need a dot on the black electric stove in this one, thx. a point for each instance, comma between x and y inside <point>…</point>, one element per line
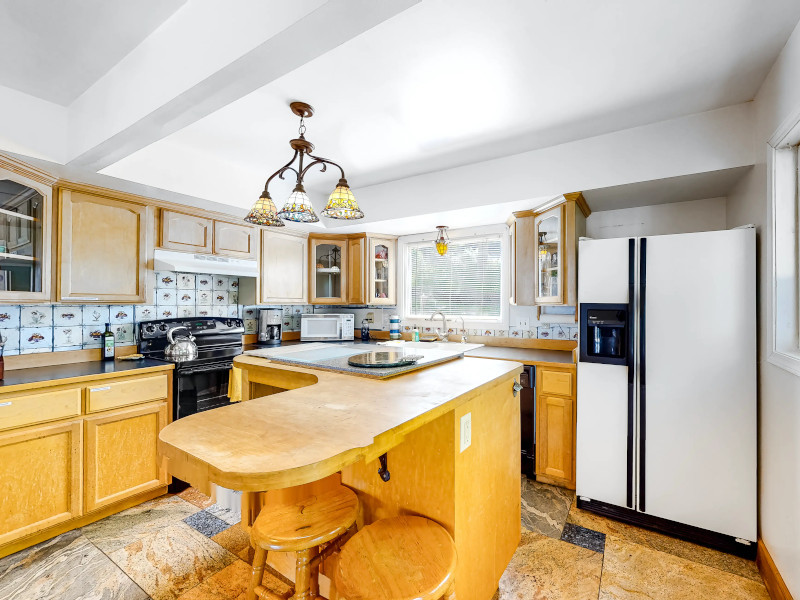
<point>201,383</point>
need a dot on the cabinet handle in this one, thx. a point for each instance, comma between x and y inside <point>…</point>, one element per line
<point>6,403</point>
<point>100,389</point>
<point>517,387</point>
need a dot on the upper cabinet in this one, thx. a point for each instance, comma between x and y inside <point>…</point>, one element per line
<point>356,270</point>
<point>382,261</point>
<point>192,233</point>
<point>25,232</point>
<point>103,247</point>
<point>328,270</point>
<point>283,267</point>
<point>546,252</point>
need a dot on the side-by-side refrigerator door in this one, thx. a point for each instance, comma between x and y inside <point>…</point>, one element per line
<point>604,452</point>
<point>698,380</point>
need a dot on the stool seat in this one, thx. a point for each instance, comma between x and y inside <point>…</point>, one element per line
<point>402,558</point>
<point>306,523</point>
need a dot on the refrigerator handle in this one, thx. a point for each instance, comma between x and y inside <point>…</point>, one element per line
<point>631,351</point>
<point>642,370</point>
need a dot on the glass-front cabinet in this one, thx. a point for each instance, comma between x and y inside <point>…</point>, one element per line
<point>25,230</point>
<point>382,261</point>
<point>549,240</point>
<point>328,271</point>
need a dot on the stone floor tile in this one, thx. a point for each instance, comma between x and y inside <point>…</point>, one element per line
<point>237,541</point>
<point>67,567</point>
<point>231,584</point>
<point>122,529</point>
<point>206,523</point>
<point>545,507</point>
<point>172,560</point>
<point>632,572</point>
<point>585,538</point>
<point>196,497</point>
<point>548,569</point>
<point>664,543</point>
<point>231,517</point>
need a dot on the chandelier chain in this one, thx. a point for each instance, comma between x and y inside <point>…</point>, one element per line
<point>302,129</point>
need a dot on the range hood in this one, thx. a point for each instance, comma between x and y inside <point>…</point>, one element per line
<point>185,262</point>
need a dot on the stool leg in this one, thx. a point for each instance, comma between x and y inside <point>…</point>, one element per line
<point>302,579</point>
<point>314,579</point>
<point>257,576</point>
<point>450,594</point>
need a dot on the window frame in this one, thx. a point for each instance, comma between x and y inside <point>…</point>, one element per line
<point>405,243</point>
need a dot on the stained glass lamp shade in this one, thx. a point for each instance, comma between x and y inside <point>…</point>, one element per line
<point>298,208</point>
<point>441,240</point>
<point>342,204</point>
<point>264,212</point>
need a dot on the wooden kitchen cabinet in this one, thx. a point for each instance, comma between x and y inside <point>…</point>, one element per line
<point>382,264</point>
<point>546,252</point>
<point>556,425</point>
<point>327,268</point>
<point>40,478</point>
<point>103,248</point>
<point>283,267</point>
<point>356,270</point>
<point>121,454</point>
<point>235,240</point>
<point>189,233</point>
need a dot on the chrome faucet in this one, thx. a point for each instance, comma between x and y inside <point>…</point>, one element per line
<point>463,330</point>
<point>441,334</point>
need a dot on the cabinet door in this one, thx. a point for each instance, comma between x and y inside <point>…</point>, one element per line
<point>185,232</point>
<point>328,271</point>
<point>238,241</point>
<point>356,279</point>
<point>555,439</point>
<point>102,249</point>
<point>122,454</point>
<point>382,259</point>
<point>284,265</point>
<point>40,478</point>
<point>549,241</point>
<point>524,261</point>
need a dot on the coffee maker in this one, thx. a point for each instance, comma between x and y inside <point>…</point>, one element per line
<point>270,321</point>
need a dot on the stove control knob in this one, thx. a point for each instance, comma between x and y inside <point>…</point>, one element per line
<point>163,327</point>
<point>228,323</point>
<point>150,328</point>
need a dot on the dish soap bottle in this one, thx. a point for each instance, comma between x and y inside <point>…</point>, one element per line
<point>415,334</point>
<point>108,343</point>
<point>364,330</point>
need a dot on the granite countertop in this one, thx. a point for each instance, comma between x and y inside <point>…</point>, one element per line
<point>90,369</point>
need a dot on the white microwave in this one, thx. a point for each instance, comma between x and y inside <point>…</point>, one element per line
<point>329,327</point>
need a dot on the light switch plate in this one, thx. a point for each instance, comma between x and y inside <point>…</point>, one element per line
<point>466,431</point>
<point>523,324</point>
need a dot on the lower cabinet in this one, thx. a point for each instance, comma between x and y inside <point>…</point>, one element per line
<point>121,454</point>
<point>555,426</point>
<point>40,478</point>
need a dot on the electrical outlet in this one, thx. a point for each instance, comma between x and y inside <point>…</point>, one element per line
<point>370,318</point>
<point>523,323</point>
<point>466,431</point>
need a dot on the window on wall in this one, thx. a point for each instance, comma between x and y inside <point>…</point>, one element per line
<point>466,282</point>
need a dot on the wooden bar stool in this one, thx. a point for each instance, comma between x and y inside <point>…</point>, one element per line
<point>313,527</point>
<point>402,558</point>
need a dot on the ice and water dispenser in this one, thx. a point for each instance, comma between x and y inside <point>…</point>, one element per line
<point>604,333</point>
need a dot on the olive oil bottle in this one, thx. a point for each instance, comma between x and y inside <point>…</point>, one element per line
<point>108,343</point>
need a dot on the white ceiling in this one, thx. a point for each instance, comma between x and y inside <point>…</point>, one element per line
<point>56,49</point>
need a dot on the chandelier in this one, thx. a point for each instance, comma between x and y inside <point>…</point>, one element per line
<point>341,203</point>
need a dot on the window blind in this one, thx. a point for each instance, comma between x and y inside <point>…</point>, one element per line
<point>464,282</point>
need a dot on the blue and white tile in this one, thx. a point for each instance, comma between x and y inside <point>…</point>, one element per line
<point>529,334</point>
<point>186,297</point>
<point>204,282</point>
<point>287,309</point>
<point>121,314</point>
<point>574,333</point>
<point>487,332</point>
<point>220,297</point>
<point>67,316</point>
<point>308,309</point>
<point>9,316</point>
<point>559,331</point>
<point>544,332</point>
<point>144,312</point>
<point>250,312</point>
<point>96,314</point>
<point>37,315</point>
<point>220,282</point>
<point>65,337</point>
<point>500,333</point>
<point>233,297</point>
<point>11,345</point>
<point>204,311</point>
<point>35,339</point>
<point>93,335</point>
<point>166,280</point>
<point>123,334</point>
<point>233,283</point>
<point>470,331</point>
<point>186,311</point>
<point>187,281</point>
<point>250,326</point>
<point>167,311</point>
<point>233,310</point>
<point>515,332</point>
<point>204,297</point>
<point>166,297</point>
<point>219,310</point>
<point>296,322</point>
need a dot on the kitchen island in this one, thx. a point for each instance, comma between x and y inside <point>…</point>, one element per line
<point>298,426</point>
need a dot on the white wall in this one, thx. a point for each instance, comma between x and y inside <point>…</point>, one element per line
<point>659,219</point>
<point>779,390</point>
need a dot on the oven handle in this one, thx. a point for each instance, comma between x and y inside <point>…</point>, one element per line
<point>205,369</point>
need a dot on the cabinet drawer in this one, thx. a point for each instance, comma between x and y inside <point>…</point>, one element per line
<point>557,382</point>
<point>104,396</point>
<point>28,409</point>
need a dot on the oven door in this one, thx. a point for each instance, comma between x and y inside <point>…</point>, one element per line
<point>200,388</point>
<point>320,328</point>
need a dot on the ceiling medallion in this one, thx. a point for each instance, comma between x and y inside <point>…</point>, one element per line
<point>341,203</point>
<point>441,240</point>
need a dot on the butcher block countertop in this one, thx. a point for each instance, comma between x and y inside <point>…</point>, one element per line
<point>528,356</point>
<point>319,423</point>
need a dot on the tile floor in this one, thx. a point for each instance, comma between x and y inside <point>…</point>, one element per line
<point>184,547</point>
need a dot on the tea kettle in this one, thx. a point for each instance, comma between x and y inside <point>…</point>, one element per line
<point>181,349</point>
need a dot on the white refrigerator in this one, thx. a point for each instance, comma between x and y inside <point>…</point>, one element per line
<point>666,413</point>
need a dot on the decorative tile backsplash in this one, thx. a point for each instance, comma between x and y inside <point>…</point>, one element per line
<point>36,328</point>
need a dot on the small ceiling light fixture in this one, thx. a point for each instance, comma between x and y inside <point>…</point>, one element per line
<point>442,240</point>
<point>341,204</point>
